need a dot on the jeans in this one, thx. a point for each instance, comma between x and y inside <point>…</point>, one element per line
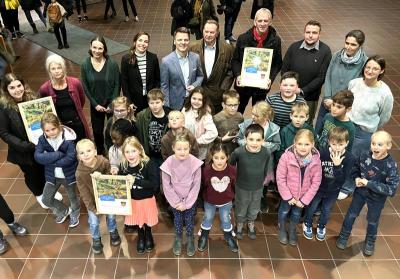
<point>39,13</point>
<point>375,204</point>
<point>230,18</point>
<point>58,207</point>
<point>224,216</point>
<point>285,209</point>
<point>94,224</point>
<point>247,204</point>
<point>324,201</point>
<point>362,142</point>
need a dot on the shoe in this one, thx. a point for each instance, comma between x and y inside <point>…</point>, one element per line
<point>73,221</point>
<point>203,239</point>
<point>113,14</point>
<point>61,219</point>
<point>17,229</point>
<point>251,230</point>
<point>97,246</point>
<point>368,248</point>
<point>39,200</point>
<point>283,236</point>
<point>115,240</point>
<point>60,46</point>
<point>58,196</point>
<point>321,233</point>
<point>341,242</point>
<point>149,241</point>
<point>13,36</point>
<point>317,213</point>
<point>79,19</point>
<point>232,39</point>
<point>190,249</point>
<point>20,34</point>
<point>239,230</point>
<point>177,246</point>
<point>342,196</point>
<point>140,245</point>
<point>292,234</point>
<point>231,242</point>
<point>129,229</point>
<point>35,31</point>
<point>227,41</point>
<point>136,18</point>
<point>3,244</point>
<point>126,18</point>
<point>85,17</point>
<point>66,45</point>
<point>307,231</point>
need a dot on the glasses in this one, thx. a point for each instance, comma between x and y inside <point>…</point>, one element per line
<point>232,105</point>
<point>120,111</point>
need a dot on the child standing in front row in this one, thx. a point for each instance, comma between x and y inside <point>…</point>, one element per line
<point>181,178</point>
<point>144,180</point>
<point>336,166</point>
<point>219,181</point>
<point>298,177</point>
<point>376,178</point>
<point>56,151</point>
<point>91,163</point>
<point>254,164</point>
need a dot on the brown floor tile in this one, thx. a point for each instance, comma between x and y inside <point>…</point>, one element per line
<point>394,245</point>
<point>5,185</point>
<point>321,269</point>
<point>9,170</point>
<point>10,268</point>
<point>257,268</point>
<point>83,227</point>
<point>131,269</point>
<point>225,268</point>
<point>270,222</point>
<point>68,269</point>
<point>382,250</point>
<point>218,248</point>
<point>77,246</point>
<point>387,269</point>
<point>47,246</point>
<point>32,206</point>
<point>389,225</point>
<point>128,248</point>
<point>292,269</point>
<point>334,224</point>
<point>17,202</point>
<point>3,156</point>
<point>51,227</point>
<point>194,268</point>
<point>19,187</point>
<point>100,268</point>
<point>37,269</point>
<point>19,247</point>
<point>33,222</point>
<point>254,248</point>
<point>280,251</point>
<point>353,250</point>
<point>109,251</point>
<point>162,268</point>
<point>348,269</point>
<point>313,249</point>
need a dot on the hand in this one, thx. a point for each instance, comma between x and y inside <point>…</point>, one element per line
<point>292,201</point>
<point>238,83</point>
<point>299,204</point>
<point>336,159</point>
<point>100,108</point>
<point>298,91</point>
<point>114,170</point>
<point>96,174</point>
<point>189,88</point>
<point>227,137</point>
<point>361,182</point>
<point>328,103</point>
<point>268,84</point>
<point>180,207</point>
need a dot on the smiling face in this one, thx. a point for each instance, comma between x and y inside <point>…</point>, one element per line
<point>142,43</point>
<point>181,150</point>
<point>262,22</point>
<point>380,146</point>
<point>97,49</point>
<point>132,154</point>
<point>16,90</point>
<point>254,141</point>
<point>372,71</point>
<point>351,46</point>
<point>303,146</point>
<point>56,71</point>
<point>87,154</point>
<point>196,101</point>
<point>311,34</point>
<point>181,41</point>
<point>120,111</point>
<point>288,87</point>
<point>219,160</point>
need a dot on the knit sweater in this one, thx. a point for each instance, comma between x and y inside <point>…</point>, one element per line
<point>219,186</point>
<point>282,109</point>
<point>228,123</point>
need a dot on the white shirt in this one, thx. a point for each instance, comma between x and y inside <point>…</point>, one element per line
<point>184,63</point>
<point>209,58</point>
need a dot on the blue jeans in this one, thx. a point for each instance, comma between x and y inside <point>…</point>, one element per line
<point>94,224</point>
<point>375,204</point>
<point>323,200</point>
<point>224,216</point>
<point>286,210</point>
<point>362,142</point>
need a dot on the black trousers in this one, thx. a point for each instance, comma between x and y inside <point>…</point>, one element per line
<point>60,28</point>
<point>125,6</point>
<point>109,4</point>
<point>78,6</point>
<point>5,212</point>
<point>246,93</point>
<point>97,119</point>
<point>10,18</point>
<point>34,177</point>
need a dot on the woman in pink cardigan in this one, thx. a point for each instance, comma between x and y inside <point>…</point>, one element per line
<point>68,96</point>
<point>298,176</point>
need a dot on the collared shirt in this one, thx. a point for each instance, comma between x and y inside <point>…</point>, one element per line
<point>209,57</point>
<point>184,63</point>
<point>305,46</point>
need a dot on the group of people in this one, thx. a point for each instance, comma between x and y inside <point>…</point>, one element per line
<point>178,133</point>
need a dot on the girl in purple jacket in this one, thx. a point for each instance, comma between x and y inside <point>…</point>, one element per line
<point>298,176</point>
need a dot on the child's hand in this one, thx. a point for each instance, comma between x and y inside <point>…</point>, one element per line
<point>180,207</point>
<point>227,137</point>
<point>292,201</point>
<point>359,182</point>
<point>114,170</point>
<point>299,204</point>
<point>96,174</point>
<point>336,159</point>
<point>131,179</point>
<point>363,182</point>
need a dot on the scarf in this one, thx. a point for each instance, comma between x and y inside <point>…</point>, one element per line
<point>352,59</point>
<point>303,161</point>
<point>259,38</point>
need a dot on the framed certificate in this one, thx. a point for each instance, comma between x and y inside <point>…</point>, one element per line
<point>32,112</point>
<point>256,67</point>
<point>112,194</point>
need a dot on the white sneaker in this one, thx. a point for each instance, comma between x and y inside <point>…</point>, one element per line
<point>342,196</point>
<point>39,200</point>
<point>58,196</point>
<point>228,42</point>
<point>126,18</point>
<point>136,18</point>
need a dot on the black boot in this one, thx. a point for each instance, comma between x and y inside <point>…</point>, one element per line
<point>97,246</point>
<point>140,247</point>
<point>190,249</point>
<point>203,239</point>
<point>292,234</point>
<point>283,236</point>
<point>115,240</point>
<point>177,246</point>
<point>33,25</point>
<point>149,241</point>
<point>231,242</point>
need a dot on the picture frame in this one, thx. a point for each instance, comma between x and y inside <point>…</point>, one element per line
<point>112,194</point>
<point>32,112</point>
<point>256,67</point>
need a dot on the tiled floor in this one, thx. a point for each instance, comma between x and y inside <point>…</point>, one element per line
<point>54,251</point>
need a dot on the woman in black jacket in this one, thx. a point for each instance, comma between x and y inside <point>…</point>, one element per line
<point>140,72</point>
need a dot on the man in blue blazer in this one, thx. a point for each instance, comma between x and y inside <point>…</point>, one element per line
<point>180,71</point>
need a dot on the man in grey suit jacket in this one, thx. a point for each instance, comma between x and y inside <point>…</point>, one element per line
<point>180,71</point>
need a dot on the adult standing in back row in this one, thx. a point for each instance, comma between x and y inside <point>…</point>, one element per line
<point>310,59</point>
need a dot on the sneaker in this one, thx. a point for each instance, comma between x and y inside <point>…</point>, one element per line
<point>307,232</point>
<point>115,240</point>
<point>227,41</point>
<point>61,219</point>
<point>368,248</point>
<point>17,229</point>
<point>58,196</point>
<point>321,232</point>
<point>3,244</point>
<point>126,18</point>
<point>341,242</point>
<point>136,18</point>
<point>232,39</point>
<point>251,230</point>
<point>342,196</point>
<point>20,34</point>
<point>13,36</point>
<point>39,200</point>
<point>73,221</point>
<point>97,246</point>
<point>85,17</point>
<point>79,19</point>
<point>239,230</point>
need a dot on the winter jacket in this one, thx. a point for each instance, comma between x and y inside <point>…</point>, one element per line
<point>64,157</point>
<point>289,179</point>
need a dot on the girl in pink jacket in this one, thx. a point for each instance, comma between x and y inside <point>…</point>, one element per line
<point>298,176</point>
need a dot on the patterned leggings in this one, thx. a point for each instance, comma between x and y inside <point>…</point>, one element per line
<point>186,218</point>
